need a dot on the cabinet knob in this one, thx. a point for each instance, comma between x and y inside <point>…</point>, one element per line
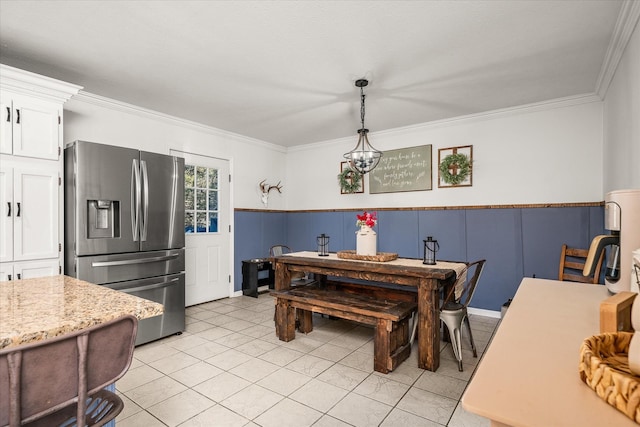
<point>18,116</point>
<point>8,208</point>
<point>19,276</point>
<point>8,114</point>
<point>18,213</point>
<point>8,277</point>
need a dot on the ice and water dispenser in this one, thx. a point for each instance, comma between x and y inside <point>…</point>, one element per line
<point>103,219</point>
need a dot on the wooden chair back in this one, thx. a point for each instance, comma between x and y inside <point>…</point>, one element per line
<point>572,263</point>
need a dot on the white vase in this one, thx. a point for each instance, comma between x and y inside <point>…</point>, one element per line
<point>366,241</point>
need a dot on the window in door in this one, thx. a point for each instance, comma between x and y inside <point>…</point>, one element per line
<point>201,199</point>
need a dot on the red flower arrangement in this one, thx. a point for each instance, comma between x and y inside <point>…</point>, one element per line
<point>367,218</point>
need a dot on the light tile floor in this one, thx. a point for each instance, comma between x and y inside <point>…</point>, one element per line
<point>229,369</point>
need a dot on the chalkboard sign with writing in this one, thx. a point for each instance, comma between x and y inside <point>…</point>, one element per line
<point>405,169</point>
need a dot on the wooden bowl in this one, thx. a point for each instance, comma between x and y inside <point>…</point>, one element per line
<point>604,366</point>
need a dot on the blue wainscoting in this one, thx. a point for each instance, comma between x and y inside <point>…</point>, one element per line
<point>516,242</point>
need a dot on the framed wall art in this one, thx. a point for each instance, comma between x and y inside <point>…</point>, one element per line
<point>455,166</point>
<point>350,181</point>
<point>405,169</point>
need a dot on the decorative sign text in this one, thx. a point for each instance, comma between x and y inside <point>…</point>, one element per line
<point>405,169</point>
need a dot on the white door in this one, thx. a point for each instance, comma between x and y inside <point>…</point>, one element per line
<point>207,228</point>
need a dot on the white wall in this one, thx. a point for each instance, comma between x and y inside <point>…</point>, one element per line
<point>91,118</point>
<point>622,121</point>
<point>544,153</point>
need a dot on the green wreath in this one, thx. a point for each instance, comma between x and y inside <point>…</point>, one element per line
<point>463,168</point>
<point>349,180</point>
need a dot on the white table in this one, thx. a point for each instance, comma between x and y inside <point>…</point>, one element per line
<point>529,374</point>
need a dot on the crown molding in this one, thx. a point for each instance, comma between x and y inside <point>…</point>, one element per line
<point>31,84</point>
<point>551,104</point>
<point>627,21</point>
<point>115,105</point>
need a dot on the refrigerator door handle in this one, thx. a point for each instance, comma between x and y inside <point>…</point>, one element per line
<point>134,261</point>
<point>174,200</point>
<point>145,205</point>
<point>150,287</point>
<point>135,199</point>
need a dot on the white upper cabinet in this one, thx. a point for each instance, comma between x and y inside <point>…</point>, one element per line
<point>31,113</point>
<point>30,127</point>
<point>31,196</point>
<point>6,126</point>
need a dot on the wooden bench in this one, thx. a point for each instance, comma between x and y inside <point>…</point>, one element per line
<point>390,317</point>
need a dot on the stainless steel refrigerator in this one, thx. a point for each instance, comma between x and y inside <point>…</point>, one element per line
<point>124,227</point>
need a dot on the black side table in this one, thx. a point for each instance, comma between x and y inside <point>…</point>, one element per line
<point>250,279</point>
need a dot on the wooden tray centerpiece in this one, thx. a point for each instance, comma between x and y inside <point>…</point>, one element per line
<point>378,257</point>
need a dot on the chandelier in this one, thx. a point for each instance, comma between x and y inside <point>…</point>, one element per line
<point>363,158</point>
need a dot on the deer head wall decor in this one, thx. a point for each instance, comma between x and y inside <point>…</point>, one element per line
<point>265,189</point>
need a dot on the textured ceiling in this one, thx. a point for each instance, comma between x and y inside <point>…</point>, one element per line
<point>284,71</point>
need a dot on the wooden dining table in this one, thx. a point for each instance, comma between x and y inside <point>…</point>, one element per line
<point>429,280</point>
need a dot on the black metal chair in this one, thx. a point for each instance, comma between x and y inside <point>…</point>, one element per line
<point>58,381</point>
<point>278,250</point>
<point>454,310</point>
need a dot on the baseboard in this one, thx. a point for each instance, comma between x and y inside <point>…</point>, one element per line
<point>483,312</point>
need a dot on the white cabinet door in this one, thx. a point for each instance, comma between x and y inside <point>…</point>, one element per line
<point>6,214</point>
<point>35,128</point>
<point>6,113</point>
<point>29,269</point>
<point>6,272</point>
<point>32,269</point>
<point>35,196</point>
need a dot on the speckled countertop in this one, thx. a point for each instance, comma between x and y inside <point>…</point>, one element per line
<point>36,309</point>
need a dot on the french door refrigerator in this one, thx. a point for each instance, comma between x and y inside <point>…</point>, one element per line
<point>124,227</point>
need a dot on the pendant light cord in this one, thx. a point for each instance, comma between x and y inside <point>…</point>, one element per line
<point>362,107</point>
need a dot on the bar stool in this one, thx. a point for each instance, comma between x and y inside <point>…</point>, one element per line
<point>60,380</point>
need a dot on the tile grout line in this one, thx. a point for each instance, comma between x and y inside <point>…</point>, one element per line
<point>255,309</point>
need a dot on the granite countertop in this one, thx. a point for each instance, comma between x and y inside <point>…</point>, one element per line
<point>36,309</point>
